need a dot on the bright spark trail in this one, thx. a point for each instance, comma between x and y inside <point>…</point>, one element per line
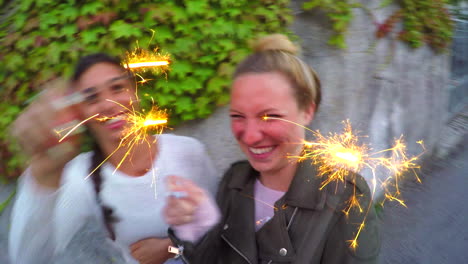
<point>142,60</point>
<point>137,129</point>
<point>339,156</point>
<point>146,64</point>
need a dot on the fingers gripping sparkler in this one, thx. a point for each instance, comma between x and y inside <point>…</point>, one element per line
<point>338,155</point>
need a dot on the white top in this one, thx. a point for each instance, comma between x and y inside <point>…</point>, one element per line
<point>44,221</point>
<point>265,199</point>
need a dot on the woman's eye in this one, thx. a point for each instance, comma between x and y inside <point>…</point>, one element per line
<point>235,116</point>
<point>91,99</point>
<point>272,116</point>
<point>117,87</point>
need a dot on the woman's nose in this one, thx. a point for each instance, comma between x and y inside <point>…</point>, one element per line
<point>107,105</point>
<point>252,133</point>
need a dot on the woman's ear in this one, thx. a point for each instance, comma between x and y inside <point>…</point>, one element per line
<point>309,113</point>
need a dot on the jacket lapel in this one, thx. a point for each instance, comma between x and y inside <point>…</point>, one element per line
<point>304,191</point>
<point>239,227</point>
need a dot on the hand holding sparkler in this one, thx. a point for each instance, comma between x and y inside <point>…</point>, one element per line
<point>189,209</point>
<point>182,201</point>
<point>38,129</point>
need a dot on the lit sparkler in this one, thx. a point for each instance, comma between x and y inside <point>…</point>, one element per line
<point>137,129</point>
<point>339,155</point>
<point>141,60</point>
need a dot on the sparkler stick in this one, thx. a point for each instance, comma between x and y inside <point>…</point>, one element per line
<point>337,155</point>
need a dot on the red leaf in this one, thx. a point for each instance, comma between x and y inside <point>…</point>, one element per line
<point>40,41</point>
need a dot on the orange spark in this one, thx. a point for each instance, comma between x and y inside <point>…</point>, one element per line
<point>337,155</point>
<point>74,128</point>
<point>138,126</point>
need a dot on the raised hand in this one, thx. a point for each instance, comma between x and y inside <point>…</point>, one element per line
<point>37,132</point>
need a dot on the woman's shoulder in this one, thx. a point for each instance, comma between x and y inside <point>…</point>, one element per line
<point>179,140</point>
<point>238,173</point>
<point>182,145</point>
<point>78,167</point>
<point>81,159</point>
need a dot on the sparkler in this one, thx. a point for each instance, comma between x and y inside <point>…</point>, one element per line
<point>338,155</point>
<point>141,60</point>
<point>139,125</point>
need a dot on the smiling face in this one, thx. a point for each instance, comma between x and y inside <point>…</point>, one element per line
<point>267,143</point>
<point>108,91</point>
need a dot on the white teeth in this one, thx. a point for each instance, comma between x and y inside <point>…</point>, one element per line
<point>113,120</point>
<point>260,150</point>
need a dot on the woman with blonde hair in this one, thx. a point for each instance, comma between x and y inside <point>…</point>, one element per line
<point>272,207</point>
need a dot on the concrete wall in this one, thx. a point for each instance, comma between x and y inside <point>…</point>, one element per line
<point>383,87</point>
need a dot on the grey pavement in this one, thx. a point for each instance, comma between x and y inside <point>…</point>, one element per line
<point>433,227</point>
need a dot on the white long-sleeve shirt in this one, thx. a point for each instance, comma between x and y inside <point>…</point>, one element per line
<point>44,221</point>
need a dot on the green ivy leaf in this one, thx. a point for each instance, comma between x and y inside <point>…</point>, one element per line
<point>184,104</point>
<point>216,85</point>
<point>20,21</point>
<point>91,8</point>
<point>180,69</point>
<point>25,5</point>
<point>15,61</point>
<point>229,3</point>
<point>68,30</point>
<point>223,99</point>
<point>120,29</point>
<point>226,69</point>
<point>163,33</point>
<point>233,12</point>
<point>48,19</point>
<point>24,44</point>
<point>92,35</point>
<point>239,54</point>
<point>210,59</point>
<point>203,72</point>
<point>205,107</point>
<point>337,41</point>
<point>191,85</point>
<point>196,7</point>
<point>69,12</point>
<point>179,15</point>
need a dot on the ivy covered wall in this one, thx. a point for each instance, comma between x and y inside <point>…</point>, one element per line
<point>41,40</point>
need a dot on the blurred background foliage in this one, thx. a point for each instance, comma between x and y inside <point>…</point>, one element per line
<point>41,40</point>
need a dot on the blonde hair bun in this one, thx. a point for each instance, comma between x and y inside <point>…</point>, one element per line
<point>278,42</point>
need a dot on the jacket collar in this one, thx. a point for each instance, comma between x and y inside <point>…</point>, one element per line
<point>303,192</point>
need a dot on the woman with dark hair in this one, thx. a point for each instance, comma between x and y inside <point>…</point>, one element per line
<point>55,195</point>
<point>273,207</point>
